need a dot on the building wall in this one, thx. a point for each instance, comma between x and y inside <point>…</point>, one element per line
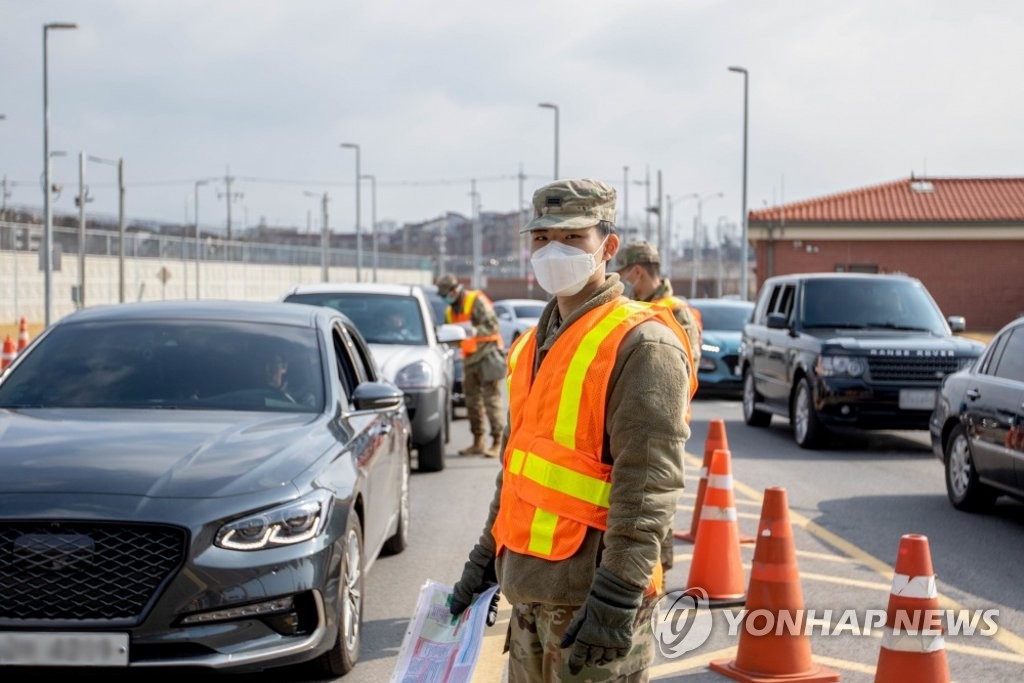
<point>980,280</point>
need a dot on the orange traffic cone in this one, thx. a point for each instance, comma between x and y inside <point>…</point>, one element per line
<point>784,652</point>
<point>912,643</point>
<point>8,353</point>
<point>716,566</point>
<point>22,334</point>
<point>715,440</point>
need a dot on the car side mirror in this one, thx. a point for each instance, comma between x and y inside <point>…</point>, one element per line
<point>957,323</point>
<point>377,396</point>
<point>449,334</point>
<point>777,321</point>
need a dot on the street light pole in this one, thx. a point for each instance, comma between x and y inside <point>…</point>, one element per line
<point>82,199</point>
<point>198,184</point>
<point>120,225</point>
<point>359,237</point>
<point>325,235</point>
<point>669,207</point>
<point>743,204</point>
<point>697,220</point>
<point>548,105</point>
<point>373,222</point>
<point>48,215</point>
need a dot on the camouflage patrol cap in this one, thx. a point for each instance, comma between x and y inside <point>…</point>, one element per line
<point>567,204</point>
<point>637,252</point>
<point>446,283</point>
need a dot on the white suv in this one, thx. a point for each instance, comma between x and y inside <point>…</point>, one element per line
<point>397,323</point>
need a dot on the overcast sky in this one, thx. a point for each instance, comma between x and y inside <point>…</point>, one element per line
<point>842,95</point>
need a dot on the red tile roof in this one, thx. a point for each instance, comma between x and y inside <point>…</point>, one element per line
<point>910,200</point>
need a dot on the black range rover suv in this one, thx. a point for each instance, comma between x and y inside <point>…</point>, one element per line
<point>847,350</point>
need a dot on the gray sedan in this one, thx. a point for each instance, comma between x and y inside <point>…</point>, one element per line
<point>196,484</point>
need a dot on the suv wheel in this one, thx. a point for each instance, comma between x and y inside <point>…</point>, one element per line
<point>751,415</point>
<point>962,485</point>
<point>807,431</point>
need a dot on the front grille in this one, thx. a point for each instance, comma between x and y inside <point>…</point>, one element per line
<point>910,369</point>
<point>84,571</point>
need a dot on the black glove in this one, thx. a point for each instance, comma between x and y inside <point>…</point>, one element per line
<point>603,628</point>
<point>477,576</point>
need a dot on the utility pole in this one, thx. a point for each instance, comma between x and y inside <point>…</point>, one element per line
<point>81,199</point>
<point>228,195</point>
<point>325,240</point>
<point>120,227</point>
<point>475,228</point>
<point>661,231</point>
<point>625,201</point>
<point>647,205</point>
<point>519,225</point>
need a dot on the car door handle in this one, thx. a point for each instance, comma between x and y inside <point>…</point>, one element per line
<point>385,428</point>
<point>973,394</point>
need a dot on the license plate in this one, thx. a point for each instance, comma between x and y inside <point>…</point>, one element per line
<point>63,649</point>
<point>917,399</point>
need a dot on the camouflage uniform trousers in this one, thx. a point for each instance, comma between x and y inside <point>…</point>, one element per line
<point>483,396</point>
<point>535,633</point>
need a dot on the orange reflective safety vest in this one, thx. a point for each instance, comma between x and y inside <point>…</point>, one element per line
<point>555,484</point>
<point>465,315</point>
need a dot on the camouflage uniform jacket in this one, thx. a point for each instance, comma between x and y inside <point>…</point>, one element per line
<point>684,314</point>
<point>485,323</point>
<point>645,436</point>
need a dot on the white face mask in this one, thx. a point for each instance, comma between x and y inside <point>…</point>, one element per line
<point>563,270</point>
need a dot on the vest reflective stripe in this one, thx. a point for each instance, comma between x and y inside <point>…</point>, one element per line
<point>572,388</point>
<point>554,476</point>
<point>555,484</point>
<point>465,315</point>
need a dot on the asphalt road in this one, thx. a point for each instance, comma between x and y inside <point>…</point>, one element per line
<point>849,504</point>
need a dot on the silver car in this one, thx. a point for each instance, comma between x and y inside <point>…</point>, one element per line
<point>396,322</point>
<point>515,316</point>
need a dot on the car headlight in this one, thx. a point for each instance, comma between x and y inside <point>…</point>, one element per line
<point>418,375</point>
<point>710,348</point>
<point>834,366</point>
<point>287,524</point>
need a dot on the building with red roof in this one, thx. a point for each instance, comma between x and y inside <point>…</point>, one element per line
<point>962,237</point>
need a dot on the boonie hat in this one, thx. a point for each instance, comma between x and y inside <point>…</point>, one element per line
<point>446,283</point>
<point>568,204</point>
<point>638,252</point>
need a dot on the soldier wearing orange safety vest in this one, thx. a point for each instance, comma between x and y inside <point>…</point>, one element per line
<point>592,460</point>
<point>483,361</point>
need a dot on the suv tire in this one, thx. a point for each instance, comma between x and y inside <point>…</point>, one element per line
<point>751,415</point>
<point>962,486</point>
<point>807,430</point>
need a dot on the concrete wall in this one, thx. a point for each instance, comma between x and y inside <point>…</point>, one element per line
<point>22,289</point>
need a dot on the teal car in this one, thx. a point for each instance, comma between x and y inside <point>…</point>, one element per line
<point>723,321</point>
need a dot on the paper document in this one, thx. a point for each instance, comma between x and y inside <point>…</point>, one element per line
<point>440,648</point>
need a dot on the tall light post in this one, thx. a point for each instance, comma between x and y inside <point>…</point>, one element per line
<point>48,216</point>
<point>359,234</point>
<point>199,244</point>
<point>743,203</point>
<point>548,105</point>
<point>373,223</point>
<point>325,235</point>
<point>670,204</point>
<point>696,240</point>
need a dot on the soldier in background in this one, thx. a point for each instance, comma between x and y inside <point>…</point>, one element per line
<point>640,271</point>
<point>483,359</point>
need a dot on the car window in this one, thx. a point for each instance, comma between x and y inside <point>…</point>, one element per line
<point>992,353</point>
<point>730,318</point>
<point>784,301</point>
<point>171,364</point>
<point>345,365</point>
<point>380,318</point>
<point>363,358</point>
<point>1011,362</point>
<point>529,310</point>
<point>883,303</point>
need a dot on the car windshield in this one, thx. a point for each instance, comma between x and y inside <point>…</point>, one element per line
<point>883,303</point>
<point>380,318</point>
<point>529,310</point>
<point>725,318</point>
<point>170,364</point>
